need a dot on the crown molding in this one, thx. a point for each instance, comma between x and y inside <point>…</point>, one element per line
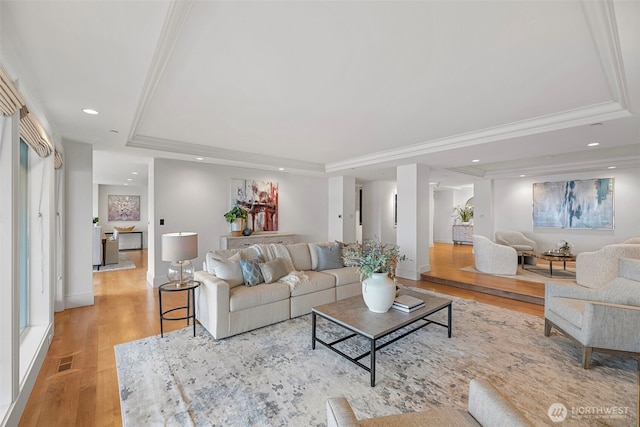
<point>602,22</point>
<point>225,156</point>
<point>553,122</point>
<point>171,29</point>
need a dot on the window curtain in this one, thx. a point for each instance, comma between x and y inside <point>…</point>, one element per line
<point>33,134</point>
<point>10,98</point>
<point>30,129</point>
<point>57,159</point>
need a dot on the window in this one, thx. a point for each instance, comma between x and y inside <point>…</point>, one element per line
<point>23,218</point>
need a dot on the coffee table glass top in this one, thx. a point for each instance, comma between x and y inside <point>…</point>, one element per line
<point>354,314</point>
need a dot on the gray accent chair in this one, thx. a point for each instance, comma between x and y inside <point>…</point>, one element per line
<point>487,407</point>
<point>596,269</point>
<point>492,258</point>
<point>112,248</point>
<point>601,319</point>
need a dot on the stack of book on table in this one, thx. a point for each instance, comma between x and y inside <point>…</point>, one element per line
<point>407,303</point>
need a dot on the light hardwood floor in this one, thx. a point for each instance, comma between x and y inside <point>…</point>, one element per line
<point>78,385</point>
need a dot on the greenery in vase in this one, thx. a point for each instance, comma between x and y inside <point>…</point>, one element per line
<point>464,213</point>
<point>373,256</point>
<point>96,220</point>
<point>235,213</point>
<point>564,247</point>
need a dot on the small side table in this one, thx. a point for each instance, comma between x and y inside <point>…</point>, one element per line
<point>190,288</point>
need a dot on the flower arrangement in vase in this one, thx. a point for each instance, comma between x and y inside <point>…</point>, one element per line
<point>465,214</point>
<point>376,263</point>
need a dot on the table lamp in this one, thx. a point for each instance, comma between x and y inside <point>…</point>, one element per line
<point>179,248</point>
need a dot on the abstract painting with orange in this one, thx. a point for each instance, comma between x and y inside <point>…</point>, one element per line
<point>260,199</point>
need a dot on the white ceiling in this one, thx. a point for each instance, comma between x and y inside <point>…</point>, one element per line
<point>335,87</point>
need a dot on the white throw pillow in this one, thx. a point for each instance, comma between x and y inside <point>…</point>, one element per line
<point>228,270</point>
<point>273,270</point>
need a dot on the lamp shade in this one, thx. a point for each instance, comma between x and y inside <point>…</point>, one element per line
<point>179,246</point>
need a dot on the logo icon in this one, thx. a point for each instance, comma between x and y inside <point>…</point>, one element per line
<point>557,412</point>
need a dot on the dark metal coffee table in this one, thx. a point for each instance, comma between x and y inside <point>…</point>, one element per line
<point>353,315</point>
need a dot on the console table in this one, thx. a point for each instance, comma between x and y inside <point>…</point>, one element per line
<point>126,240</point>
<point>462,234</point>
<point>239,242</point>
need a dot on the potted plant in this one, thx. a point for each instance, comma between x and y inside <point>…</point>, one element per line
<point>376,263</point>
<point>465,214</point>
<point>236,217</point>
<point>96,220</point>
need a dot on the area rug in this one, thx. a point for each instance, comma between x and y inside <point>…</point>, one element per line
<point>124,263</point>
<point>272,377</point>
<point>534,274</point>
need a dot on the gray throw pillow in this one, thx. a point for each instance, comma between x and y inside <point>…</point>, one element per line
<point>251,272</point>
<point>273,270</point>
<point>329,257</point>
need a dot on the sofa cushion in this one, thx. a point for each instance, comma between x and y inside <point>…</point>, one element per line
<point>568,308</point>
<point>629,268</point>
<point>300,256</point>
<point>436,417</point>
<point>622,291</point>
<point>228,270</point>
<point>243,297</point>
<point>317,281</point>
<point>344,275</point>
<point>251,272</point>
<point>273,270</point>
<point>329,257</point>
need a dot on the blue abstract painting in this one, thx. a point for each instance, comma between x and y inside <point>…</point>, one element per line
<point>574,204</point>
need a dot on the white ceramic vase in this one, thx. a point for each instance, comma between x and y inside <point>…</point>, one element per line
<point>378,292</point>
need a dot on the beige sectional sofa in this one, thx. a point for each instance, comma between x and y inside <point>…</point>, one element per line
<point>226,305</point>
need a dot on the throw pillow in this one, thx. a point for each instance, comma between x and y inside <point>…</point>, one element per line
<point>329,257</point>
<point>313,253</point>
<point>273,270</point>
<point>251,272</point>
<point>228,270</point>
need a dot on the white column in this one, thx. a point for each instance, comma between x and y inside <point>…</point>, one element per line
<point>413,219</point>
<point>483,216</point>
<point>342,208</point>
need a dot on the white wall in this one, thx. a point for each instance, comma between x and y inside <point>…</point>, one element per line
<point>192,196</point>
<point>104,191</point>
<point>378,200</point>
<point>513,207</point>
<point>78,164</point>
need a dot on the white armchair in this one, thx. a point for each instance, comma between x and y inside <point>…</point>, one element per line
<point>516,240</point>
<point>595,269</point>
<point>492,258</point>
<point>600,320</point>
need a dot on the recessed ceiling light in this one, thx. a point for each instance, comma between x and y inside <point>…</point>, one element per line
<point>134,173</point>
<point>611,167</point>
<point>475,161</point>
<point>522,176</point>
<point>90,111</point>
<point>126,183</point>
<point>596,124</point>
<point>199,158</point>
<point>280,169</point>
<point>129,179</point>
<point>593,144</point>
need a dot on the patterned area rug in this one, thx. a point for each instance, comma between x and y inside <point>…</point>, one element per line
<point>272,377</point>
<point>534,274</point>
<point>124,263</point>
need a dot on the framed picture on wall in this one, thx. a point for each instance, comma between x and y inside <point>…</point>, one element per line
<point>577,204</point>
<point>260,199</point>
<point>123,208</point>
